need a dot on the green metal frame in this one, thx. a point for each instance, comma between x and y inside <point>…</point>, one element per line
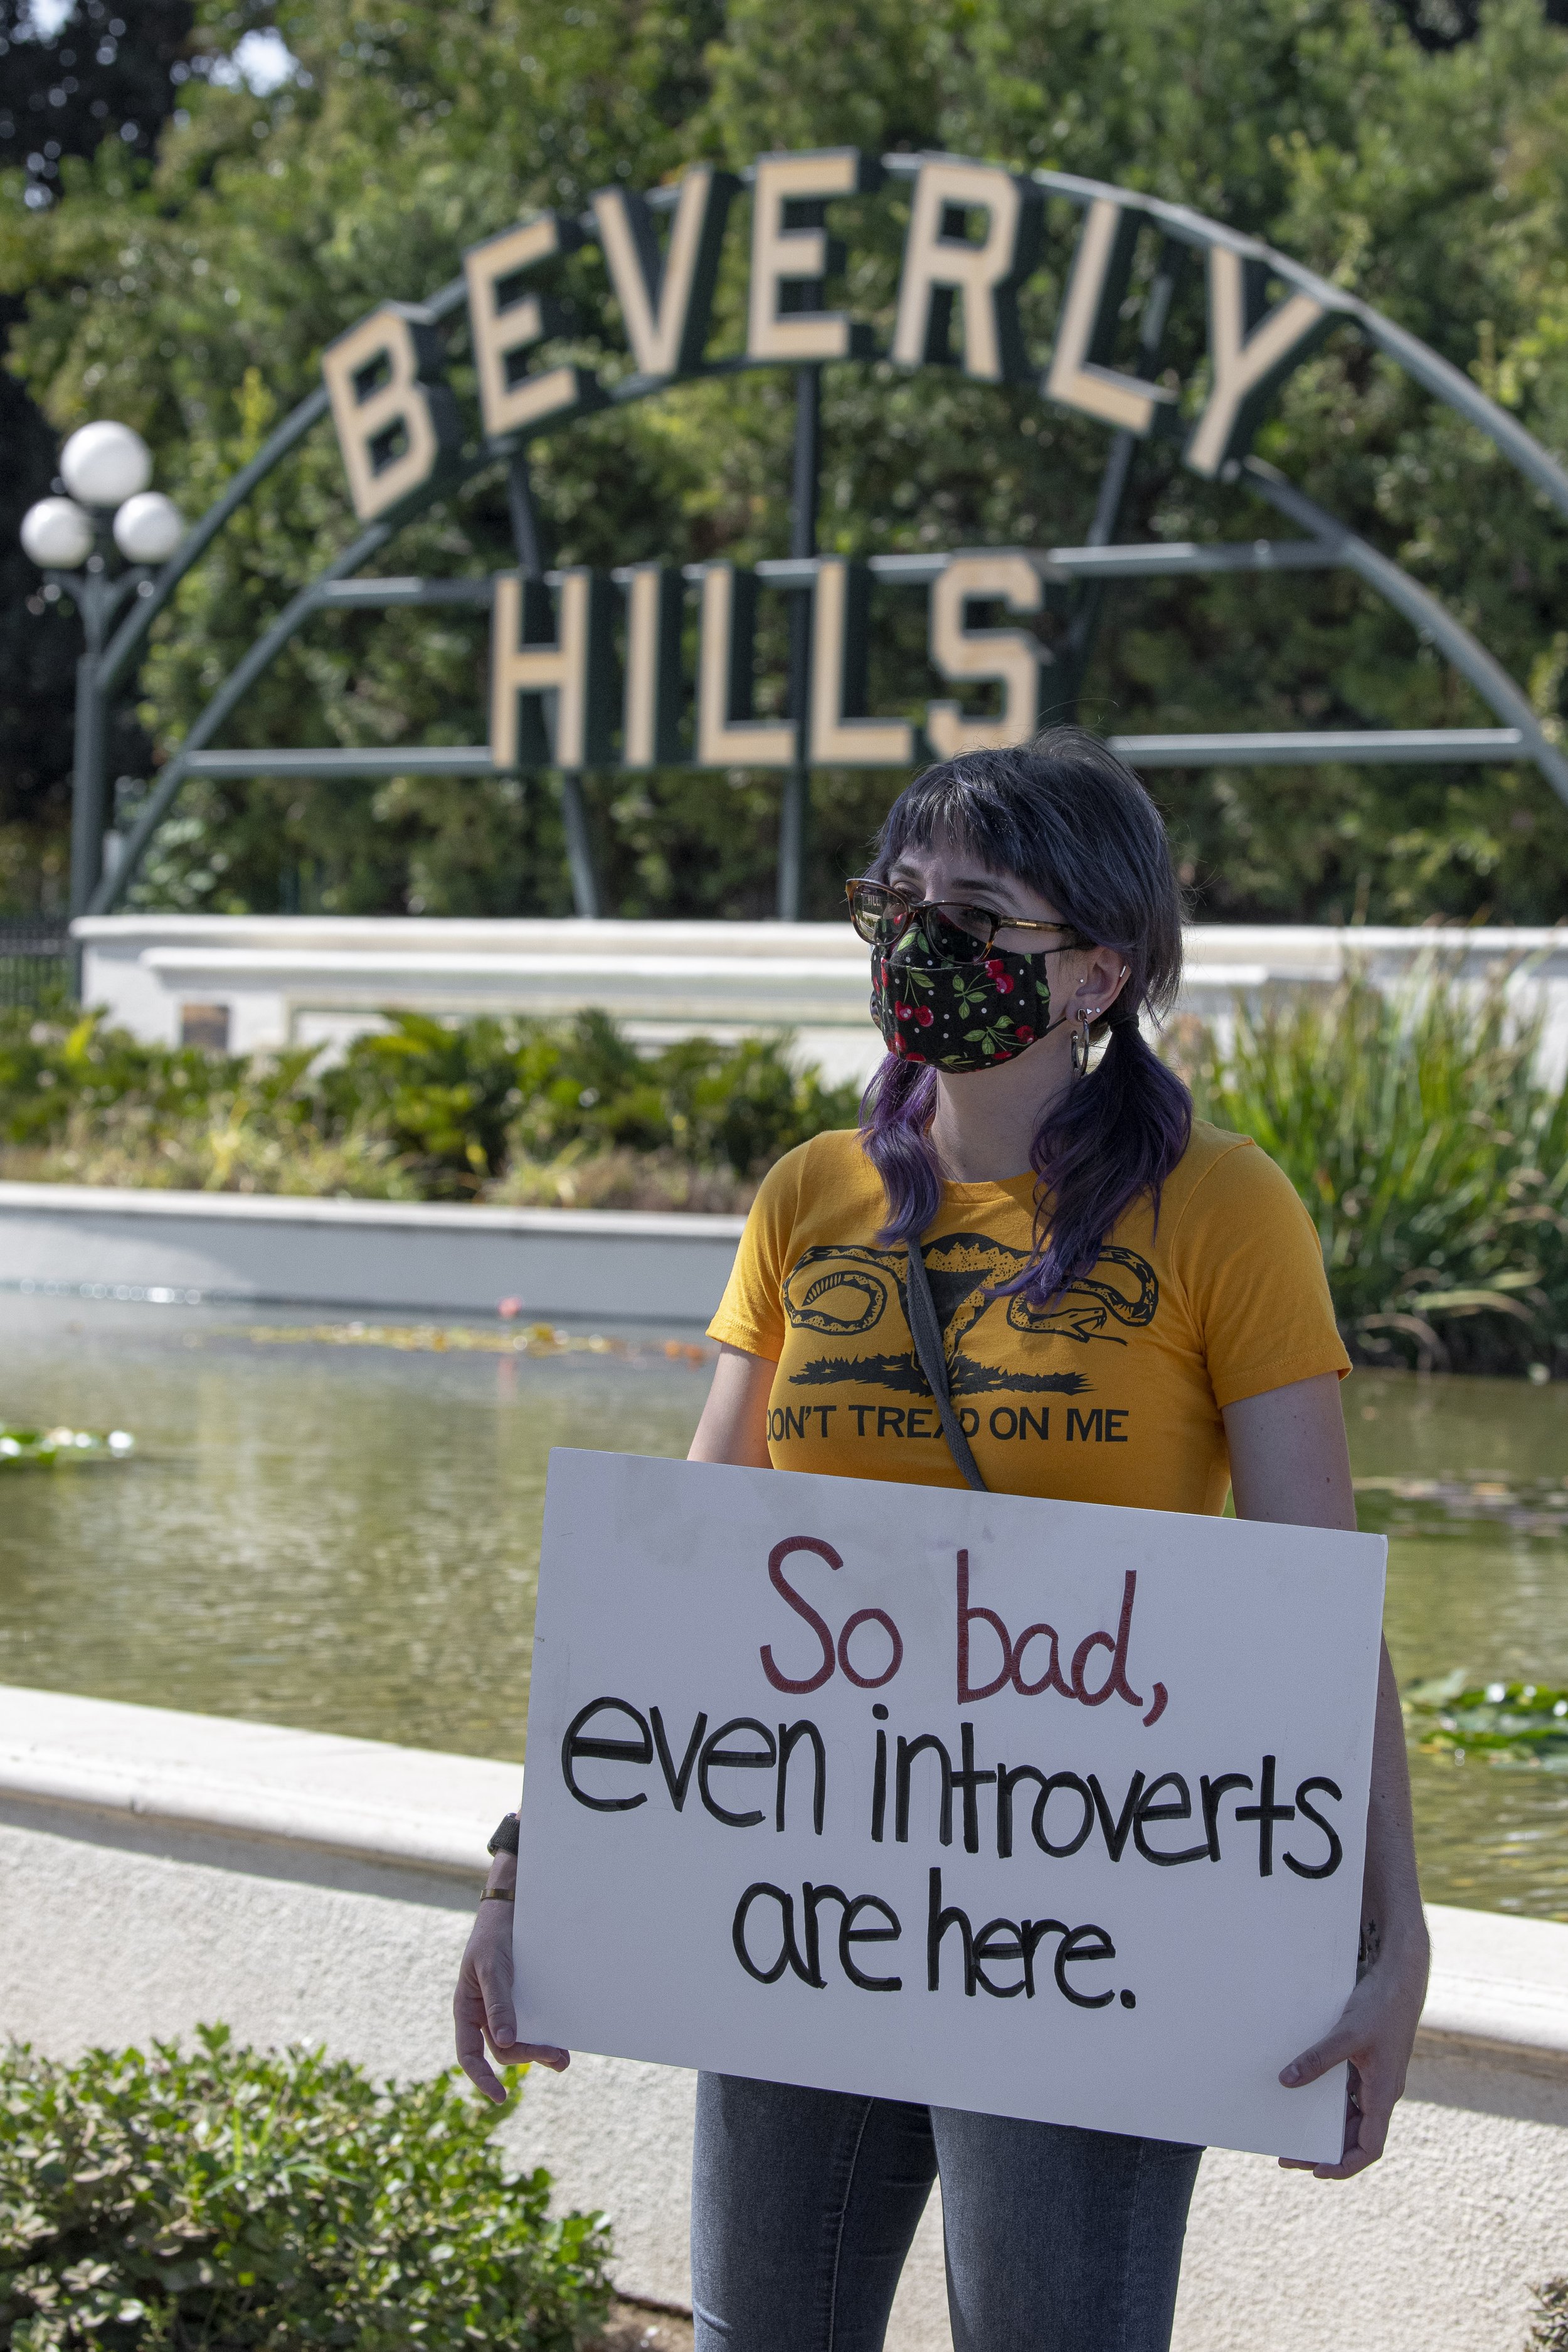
<point>1099,563</point>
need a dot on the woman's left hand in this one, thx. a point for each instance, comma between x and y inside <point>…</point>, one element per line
<point>1289,1461</point>
<point>1377,2033</point>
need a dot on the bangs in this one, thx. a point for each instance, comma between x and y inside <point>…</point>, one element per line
<point>967,809</point>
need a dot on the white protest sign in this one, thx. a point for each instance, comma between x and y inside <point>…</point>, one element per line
<point>1039,1809</point>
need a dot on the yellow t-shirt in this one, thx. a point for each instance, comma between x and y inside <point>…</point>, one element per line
<point>1112,1395</point>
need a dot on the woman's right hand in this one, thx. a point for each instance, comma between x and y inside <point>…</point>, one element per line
<point>482,2005</point>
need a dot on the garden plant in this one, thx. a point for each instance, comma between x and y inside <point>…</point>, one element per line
<point>1550,2331</point>
<point>1420,1131</point>
<point>512,1110</point>
<point>232,2198</point>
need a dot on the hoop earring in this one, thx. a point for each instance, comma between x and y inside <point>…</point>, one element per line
<point>1080,1041</point>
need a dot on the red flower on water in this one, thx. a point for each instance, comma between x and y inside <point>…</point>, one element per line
<point>1024,1033</point>
<point>1004,985</point>
<point>924,1015</point>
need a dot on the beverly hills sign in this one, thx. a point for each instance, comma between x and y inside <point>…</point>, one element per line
<point>975,236</point>
<point>592,669</point>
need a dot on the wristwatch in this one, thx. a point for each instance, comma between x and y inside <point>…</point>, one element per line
<point>505,1838</point>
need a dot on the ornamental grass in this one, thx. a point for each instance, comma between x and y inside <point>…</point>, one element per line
<point>1432,1150</point>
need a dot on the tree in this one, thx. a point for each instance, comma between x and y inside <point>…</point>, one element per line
<point>194,298</point>
<point>97,76</point>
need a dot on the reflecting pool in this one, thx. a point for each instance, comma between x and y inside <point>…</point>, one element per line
<point>343,1532</point>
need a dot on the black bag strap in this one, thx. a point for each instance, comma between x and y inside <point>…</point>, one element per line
<point>926,1332</point>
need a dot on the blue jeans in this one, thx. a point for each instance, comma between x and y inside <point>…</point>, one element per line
<point>804,2204</point>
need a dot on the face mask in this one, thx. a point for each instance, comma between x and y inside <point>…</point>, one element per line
<point>931,1007</point>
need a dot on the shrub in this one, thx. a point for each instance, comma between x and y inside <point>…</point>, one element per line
<point>1431,1153</point>
<point>51,1067</point>
<point>441,1098</point>
<point>1550,2332</point>
<point>231,2198</point>
<point>423,1109</point>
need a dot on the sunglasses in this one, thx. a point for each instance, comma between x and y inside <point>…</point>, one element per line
<point>952,928</point>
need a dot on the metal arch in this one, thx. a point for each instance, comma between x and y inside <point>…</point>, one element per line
<point>1422,364</point>
<point>284,438</point>
<point>112,884</point>
<point>194,546</point>
<point>474,759</point>
<point>1489,677</point>
<point>1331,547</point>
<point>1418,360</point>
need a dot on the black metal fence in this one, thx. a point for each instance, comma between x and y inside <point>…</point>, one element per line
<point>35,961</point>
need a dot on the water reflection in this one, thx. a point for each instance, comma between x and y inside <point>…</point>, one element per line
<point>346,1538</point>
<point>1477,1579</point>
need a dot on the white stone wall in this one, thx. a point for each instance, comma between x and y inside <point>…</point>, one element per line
<point>305,979</point>
<point>114,1242</point>
<point>136,1902</point>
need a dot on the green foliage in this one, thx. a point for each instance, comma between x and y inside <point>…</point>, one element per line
<point>49,1068</point>
<point>194,297</point>
<point>1549,2332</point>
<point>233,2198</point>
<point>421,1110</point>
<point>1432,1155</point>
<point>117,86</point>
<point>1509,1724</point>
<point>442,1096</point>
<point>458,1103</point>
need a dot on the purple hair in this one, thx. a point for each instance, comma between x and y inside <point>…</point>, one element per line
<point>1064,815</point>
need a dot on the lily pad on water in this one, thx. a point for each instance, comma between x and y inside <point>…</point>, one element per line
<point>49,1449</point>
<point>1515,1725</point>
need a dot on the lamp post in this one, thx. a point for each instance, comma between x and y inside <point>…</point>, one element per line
<point>103,504</point>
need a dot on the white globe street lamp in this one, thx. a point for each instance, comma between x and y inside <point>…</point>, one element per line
<point>148,528</point>
<point>57,534</point>
<point>103,464</point>
<point>105,467</point>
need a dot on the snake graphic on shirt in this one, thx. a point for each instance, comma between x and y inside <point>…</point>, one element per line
<point>844,1291</point>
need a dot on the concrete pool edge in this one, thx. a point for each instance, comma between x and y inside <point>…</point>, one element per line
<point>316,1791</point>
<point>1497,1979</point>
<point>158,1868</point>
<point>279,1249</point>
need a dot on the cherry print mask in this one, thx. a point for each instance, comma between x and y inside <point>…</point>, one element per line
<point>955,1013</point>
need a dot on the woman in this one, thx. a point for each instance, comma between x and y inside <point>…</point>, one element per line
<point>1021,907</point>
